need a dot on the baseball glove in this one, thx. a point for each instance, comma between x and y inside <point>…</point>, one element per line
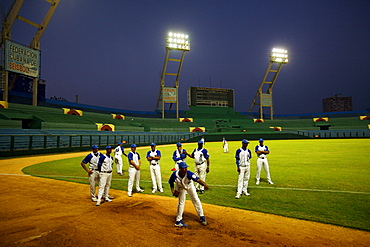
<point>176,193</point>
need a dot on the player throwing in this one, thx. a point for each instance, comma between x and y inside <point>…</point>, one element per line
<point>184,184</point>
<point>262,151</point>
<point>243,156</point>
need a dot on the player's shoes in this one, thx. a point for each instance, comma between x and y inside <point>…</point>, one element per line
<point>139,191</point>
<point>201,192</point>
<point>94,199</point>
<point>258,182</point>
<point>110,197</point>
<point>107,200</point>
<point>161,190</point>
<point>246,193</point>
<point>153,191</point>
<point>237,196</point>
<point>270,182</point>
<point>119,173</point>
<point>203,220</point>
<point>97,203</point>
<point>129,194</point>
<point>180,224</point>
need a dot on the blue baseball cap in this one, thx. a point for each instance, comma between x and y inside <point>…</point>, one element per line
<point>94,147</point>
<point>183,165</point>
<point>153,144</point>
<point>261,140</point>
<point>119,143</point>
<point>108,147</point>
<point>178,144</point>
<point>245,141</point>
<point>200,142</point>
<point>133,145</point>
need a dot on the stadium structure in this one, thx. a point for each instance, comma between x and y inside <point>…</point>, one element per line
<point>30,123</point>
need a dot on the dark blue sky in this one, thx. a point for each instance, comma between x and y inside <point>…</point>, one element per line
<point>111,52</point>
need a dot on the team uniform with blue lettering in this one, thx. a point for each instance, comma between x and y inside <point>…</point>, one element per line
<point>155,171</point>
<point>105,167</point>
<point>133,173</point>
<point>185,185</point>
<point>262,162</point>
<point>179,156</point>
<point>200,158</point>
<point>93,160</point>
<point>243,157</point>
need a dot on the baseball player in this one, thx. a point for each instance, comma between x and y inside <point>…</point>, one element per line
<point>179,155</point>
<point>118,151</point>
<point>153,156</point>
<point>201,159</point>
<point>93,172</point>
<point>243,156</point>
<point>184,184</point>
<point>225,145</point>
<point>134,170</point>
<point>262,151</point>
<point>105,166</point>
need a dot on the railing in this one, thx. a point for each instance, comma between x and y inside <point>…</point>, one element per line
<point>335,133</point>
<point>19,144</point>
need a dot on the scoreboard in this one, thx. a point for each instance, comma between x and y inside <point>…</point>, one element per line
<point>204,96</point>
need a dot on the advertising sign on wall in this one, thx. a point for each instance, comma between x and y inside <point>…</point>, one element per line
<point>21,59</point>
<point>169,95</point>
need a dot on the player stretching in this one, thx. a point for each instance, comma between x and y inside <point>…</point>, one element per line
<point>243,156</point>
<point>184,184</point>
<point>262,151</point>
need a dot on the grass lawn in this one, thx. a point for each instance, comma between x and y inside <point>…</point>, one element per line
<point>324,180</point>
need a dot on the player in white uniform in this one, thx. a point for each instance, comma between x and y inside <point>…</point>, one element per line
<point>179,155</point>
<point>93,172</point>
<point>262,151</point>
<point>201,159</point>
<point>105,167</point>
<point>184,185</point>
<point>243,156</point>
<point>153,156</point>
<point>225,145</point>
<point>118,151</point>
<point>134,170</point>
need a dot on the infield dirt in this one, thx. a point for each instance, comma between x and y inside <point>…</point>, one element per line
<point>44,212</point>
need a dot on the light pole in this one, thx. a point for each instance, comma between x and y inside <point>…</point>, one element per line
<point>179,42</point>
<point>278,57</point>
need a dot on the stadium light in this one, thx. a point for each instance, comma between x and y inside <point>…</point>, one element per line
<point>279,56</point>
<point>178,41</point>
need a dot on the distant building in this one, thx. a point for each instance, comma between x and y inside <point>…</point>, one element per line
<point>337,103</point>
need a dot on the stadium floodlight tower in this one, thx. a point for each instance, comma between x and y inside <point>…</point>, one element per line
<point>174,42</point>
<point>278,57</point>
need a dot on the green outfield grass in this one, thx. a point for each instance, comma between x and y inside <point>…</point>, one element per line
<point>319,180</point>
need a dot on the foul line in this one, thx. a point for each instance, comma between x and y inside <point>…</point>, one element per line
<point>212,185</point>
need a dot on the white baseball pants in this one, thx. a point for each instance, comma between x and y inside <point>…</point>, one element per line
<point>194,199</point>
<point>155,173</point>
<point>93,180</point>
<point>226,148</point>
<point>243,179</point>
<point>201,172</point>
<point>133,175</point>
<point>104,185</point>
<point>265,164</point>
<point>119,163</point>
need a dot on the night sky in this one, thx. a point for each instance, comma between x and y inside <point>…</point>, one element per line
<point>111,52</point>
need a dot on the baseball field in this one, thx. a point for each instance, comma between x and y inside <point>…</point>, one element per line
<point>324,181</point>
<point>315,181</point>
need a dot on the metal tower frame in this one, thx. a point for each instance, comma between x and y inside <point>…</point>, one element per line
<point>174,41</point>
<point>35,43</point>
<point>264,99</point>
